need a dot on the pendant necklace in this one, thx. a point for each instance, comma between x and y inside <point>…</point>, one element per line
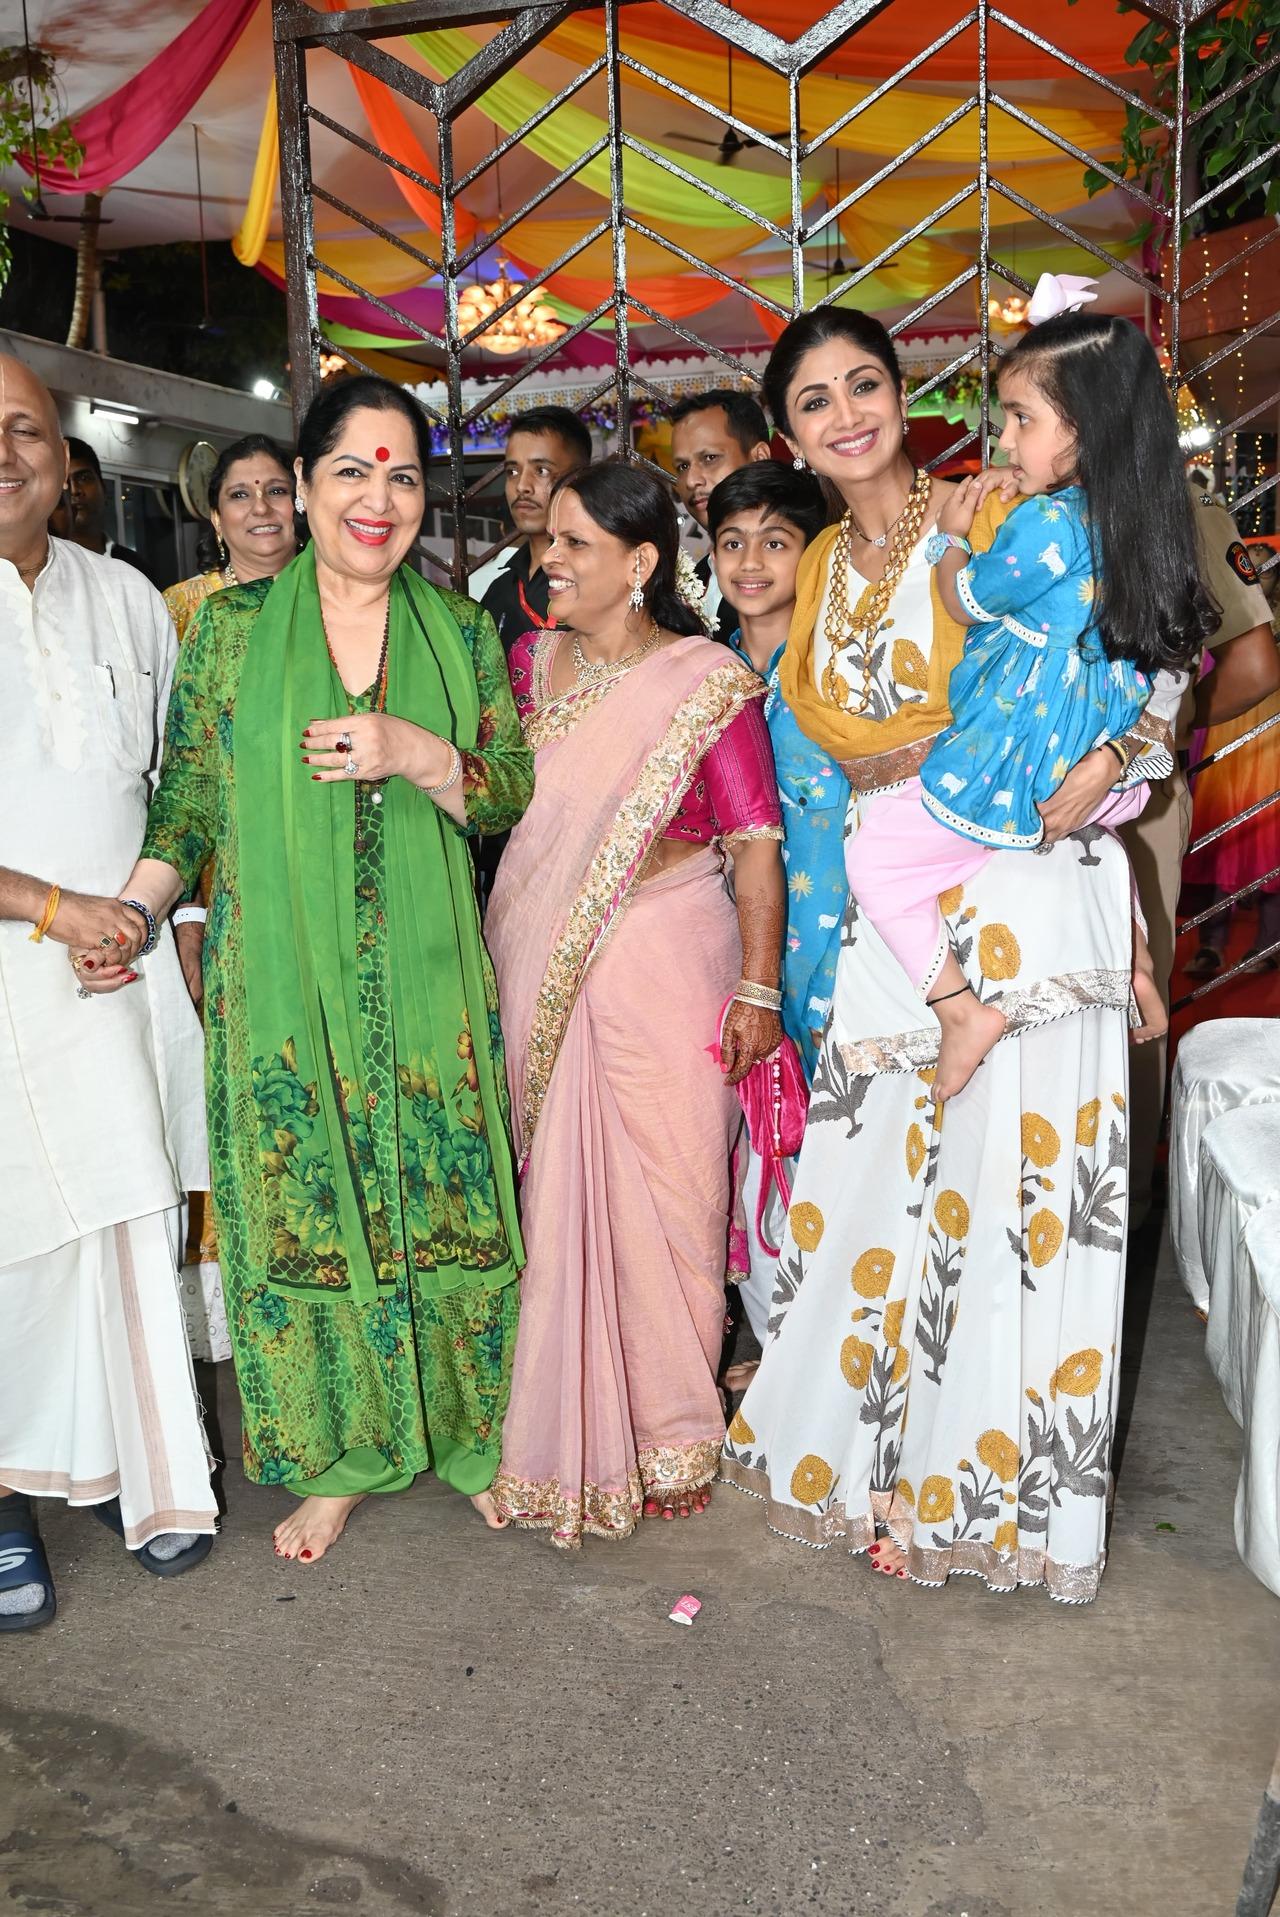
<point>378,704</point>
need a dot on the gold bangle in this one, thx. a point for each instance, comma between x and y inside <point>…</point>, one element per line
<point>765,998</point>
<point>49,914</point>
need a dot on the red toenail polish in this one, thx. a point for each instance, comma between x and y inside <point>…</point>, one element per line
<point>304,1554</point>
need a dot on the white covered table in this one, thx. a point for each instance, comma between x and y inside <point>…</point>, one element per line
<point>1221,1066</point>
<point>1258,1493</point>
<point>1239,1174</point>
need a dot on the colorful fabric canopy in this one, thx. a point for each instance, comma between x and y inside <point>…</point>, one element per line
<point>122,130</point>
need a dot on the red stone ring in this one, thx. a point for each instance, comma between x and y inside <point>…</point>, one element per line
<point>343,742</point>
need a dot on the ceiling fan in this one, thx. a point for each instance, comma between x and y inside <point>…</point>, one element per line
<point>731,143</point>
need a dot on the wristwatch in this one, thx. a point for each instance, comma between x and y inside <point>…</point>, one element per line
<point>936,544</point>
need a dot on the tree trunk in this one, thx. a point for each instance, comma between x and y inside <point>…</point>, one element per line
<point>86,269</point>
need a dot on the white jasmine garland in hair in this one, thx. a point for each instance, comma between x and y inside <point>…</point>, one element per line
<point>691,589</point>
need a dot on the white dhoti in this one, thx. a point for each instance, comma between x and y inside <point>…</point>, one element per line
<point>97,1393</point>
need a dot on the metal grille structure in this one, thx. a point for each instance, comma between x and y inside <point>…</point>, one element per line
<point>1169,289</point>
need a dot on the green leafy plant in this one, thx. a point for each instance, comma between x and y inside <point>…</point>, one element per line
<point>1227,82</point>
<point>29,98</point>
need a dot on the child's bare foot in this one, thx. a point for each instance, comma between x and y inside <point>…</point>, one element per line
<point>317,1523</point>
<point>1155,1020</point>
<point>969,1030</point>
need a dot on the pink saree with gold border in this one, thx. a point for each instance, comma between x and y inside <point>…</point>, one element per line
<point>611,985</point>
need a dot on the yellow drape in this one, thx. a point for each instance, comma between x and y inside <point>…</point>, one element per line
<point>249,242</point>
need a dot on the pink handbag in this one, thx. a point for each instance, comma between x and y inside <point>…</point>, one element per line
<point>775,1103</point>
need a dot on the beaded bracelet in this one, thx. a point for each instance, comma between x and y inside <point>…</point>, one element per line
<point>136,905</point>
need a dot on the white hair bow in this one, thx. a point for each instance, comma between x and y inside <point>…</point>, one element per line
<point>1058,293</point>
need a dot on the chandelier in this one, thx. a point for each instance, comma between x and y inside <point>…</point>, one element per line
<point>1010,313</point>
<point>530,323</point>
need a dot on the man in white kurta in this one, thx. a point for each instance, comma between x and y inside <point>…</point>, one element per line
<point>101,1105</point>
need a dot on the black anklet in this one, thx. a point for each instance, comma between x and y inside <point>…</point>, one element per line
<point>944,996</point>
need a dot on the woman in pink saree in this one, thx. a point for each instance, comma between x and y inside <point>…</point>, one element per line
<point>616,945</point>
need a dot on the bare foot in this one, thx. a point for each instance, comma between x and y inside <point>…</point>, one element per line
<point>739,1376</point>
<point>681,1503</point>
<point>484,1504</point>
<point>888,1556</point>
<point>969,1030</point>
<point>313,1527</point>
<point>1155,1020</point>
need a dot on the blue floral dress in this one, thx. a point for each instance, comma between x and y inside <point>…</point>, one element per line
<point>815,797</point>
<point>1034,691</point>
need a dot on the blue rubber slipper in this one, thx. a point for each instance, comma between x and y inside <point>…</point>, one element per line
<point>109,1514</point>
<point>23,1561</point>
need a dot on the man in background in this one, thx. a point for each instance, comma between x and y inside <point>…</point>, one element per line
<point>712,435</point>
<point>88,499</point>
<point>542,446</point>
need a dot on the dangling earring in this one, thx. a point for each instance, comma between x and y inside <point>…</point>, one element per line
<point>299,503</point>
<point>798,462</point>
<point>637,591</point>
<point>222,552</point>
<point>906,425</point>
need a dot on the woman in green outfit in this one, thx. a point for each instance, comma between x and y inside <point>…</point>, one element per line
<point>333,737</point>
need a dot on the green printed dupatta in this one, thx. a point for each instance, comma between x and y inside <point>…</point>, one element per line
<point>321,1064</point>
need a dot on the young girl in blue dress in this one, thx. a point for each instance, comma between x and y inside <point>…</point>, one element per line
<point>1089,588</point>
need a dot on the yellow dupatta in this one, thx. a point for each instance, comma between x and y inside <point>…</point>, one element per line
<point>845,735</point>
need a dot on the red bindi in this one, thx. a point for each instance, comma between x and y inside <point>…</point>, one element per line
<point>381,454</point>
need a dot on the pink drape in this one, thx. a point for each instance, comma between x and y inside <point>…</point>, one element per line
<point>125,128</point>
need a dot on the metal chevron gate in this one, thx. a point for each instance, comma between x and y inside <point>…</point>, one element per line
<point>1179,281</point>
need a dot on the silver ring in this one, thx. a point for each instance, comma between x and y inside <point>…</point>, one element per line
<point>351,769</point>
<point>81,992</point>
<point>343,742</point>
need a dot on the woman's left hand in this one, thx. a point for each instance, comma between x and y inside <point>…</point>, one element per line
<point>750,1034</point>
<point>1080,794</point>
<point>382,747</point>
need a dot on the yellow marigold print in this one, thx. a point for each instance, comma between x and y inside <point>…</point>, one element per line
<point>873,1272</point>
<point>951,1215</point>
<point>999,954</point>
<point>901,1359</point>
<point>1044,1235</point>
<point>807,1225</point>
<point>1000,1454</point>
<point>905,1492</point>
<point>1117,1099</point>
<point>740,1431</point>
<point>1087,1122</point>
<point>937,1501</point>
<point>1077,1376</point>
<point>812,1479</point>
<point>1040,1142</point>
<point>915,1151</point>
<point>1006,1538</point>
<point>856,1358</point>
<point>909,667</point>
<point>951,900</point>
<point>892,1323</point>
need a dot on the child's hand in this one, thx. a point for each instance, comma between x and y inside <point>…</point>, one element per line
<point>959,506</point>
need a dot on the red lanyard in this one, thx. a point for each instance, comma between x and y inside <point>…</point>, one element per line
<point>538,621</point>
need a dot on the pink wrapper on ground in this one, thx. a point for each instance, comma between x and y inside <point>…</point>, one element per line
<point>684,1610</point>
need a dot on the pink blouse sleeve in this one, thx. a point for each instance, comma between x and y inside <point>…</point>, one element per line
<point>520,667</point>
<point>740,779</point>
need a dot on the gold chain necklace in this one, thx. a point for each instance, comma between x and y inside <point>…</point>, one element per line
<point>598,672</point>
<point>842,627</point>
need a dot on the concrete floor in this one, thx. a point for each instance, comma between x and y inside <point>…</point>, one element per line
<point>439,1720</point>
